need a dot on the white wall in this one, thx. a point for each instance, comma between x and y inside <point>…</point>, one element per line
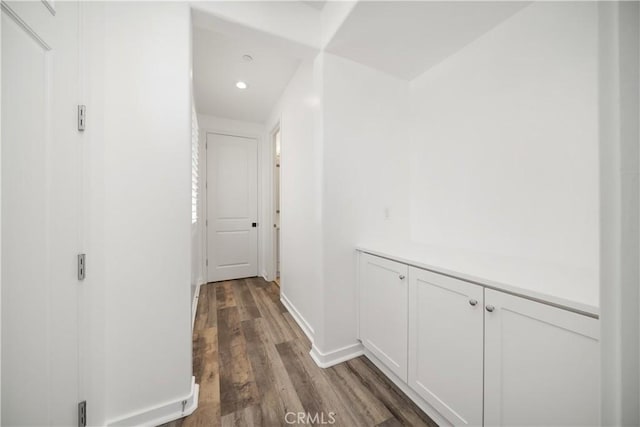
<point>300,197</point>
<point>139,217</point>
<point>0,245</point>
<point>494,151</point>
<point>93,293</point>
<point>505,145</point>
<point>198,153</point>
<point>212,123</point>
<point>619,206</point>
<point>198,248</point>
<point>365,173</point>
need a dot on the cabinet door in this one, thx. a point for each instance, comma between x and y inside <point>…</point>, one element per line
<point>541,364</point>
<point>445,345</point>
<point>383,311</point>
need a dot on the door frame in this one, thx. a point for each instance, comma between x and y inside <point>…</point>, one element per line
<point>273,263</point>
<point>205,230</point>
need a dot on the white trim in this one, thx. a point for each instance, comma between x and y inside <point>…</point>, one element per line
<point>50,6</point>
<point>406,389</point>
<point>300,320</point>
<point>162,413</point>
<point>272,269</point>
<point>327,360</point>
<point>194,305</point>
<point>18,20</point>
<point>359,296</point>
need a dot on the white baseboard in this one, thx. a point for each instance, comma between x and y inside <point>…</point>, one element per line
<point>300,320</point>
<point>422,404</point>
<point>194,305</point>
<point>326,360</point>
<point>163,413</point>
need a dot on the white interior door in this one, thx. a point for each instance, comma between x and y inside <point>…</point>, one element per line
<point>40,211</point>
<point>232,207</point>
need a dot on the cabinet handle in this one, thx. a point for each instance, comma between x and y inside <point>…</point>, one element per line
<point>473,302</point>
<point>490,308</point>
<point>401,277</point>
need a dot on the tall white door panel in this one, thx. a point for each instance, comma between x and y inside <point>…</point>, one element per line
<point>232,207</point>
<point>41,164</point>
<point>541,364</point>
<point>383,311</point>
<point>446,345</point>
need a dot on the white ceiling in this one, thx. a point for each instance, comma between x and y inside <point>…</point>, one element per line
<point>292,21</point>
<point>218,65</point>
<point>316,4</point>
<point>402,38</point>
<point>405,38</point>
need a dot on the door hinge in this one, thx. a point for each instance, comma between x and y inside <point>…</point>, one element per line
<point>82,266</point>
<point>82,117</point>
<point>82,414</point>
<point>207,263</point>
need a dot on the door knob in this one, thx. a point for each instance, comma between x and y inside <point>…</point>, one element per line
<point>490,308</point>
<point>401,277</point>
<point>473,302</point>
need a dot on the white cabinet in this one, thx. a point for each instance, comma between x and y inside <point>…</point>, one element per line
<point>446,344</point>
<point>383,311</point>
<point>472,355</point>
<point>541,364</point>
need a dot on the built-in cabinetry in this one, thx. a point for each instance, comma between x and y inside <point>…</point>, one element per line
<point>479,356</point>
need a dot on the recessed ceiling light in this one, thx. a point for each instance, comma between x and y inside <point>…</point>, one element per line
<point>241,85</point>
<point>247,58</point>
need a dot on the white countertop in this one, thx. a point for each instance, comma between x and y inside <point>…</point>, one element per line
<point>575,289</point>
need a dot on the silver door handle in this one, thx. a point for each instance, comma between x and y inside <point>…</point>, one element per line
<point>490,308</point>
<point>473,302</point>
<point>401,277</point>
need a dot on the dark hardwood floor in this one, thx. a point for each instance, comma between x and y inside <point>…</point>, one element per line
<point>252,363</point>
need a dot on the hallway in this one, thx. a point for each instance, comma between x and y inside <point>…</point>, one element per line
<point>252,363</point>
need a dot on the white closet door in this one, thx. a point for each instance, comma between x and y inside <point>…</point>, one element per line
<point>446,345</point>
<point>41,167</point>
<point>541,364</point>
<point>232,207</point>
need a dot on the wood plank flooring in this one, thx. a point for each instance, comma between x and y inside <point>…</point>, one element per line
<point>252,363</point>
